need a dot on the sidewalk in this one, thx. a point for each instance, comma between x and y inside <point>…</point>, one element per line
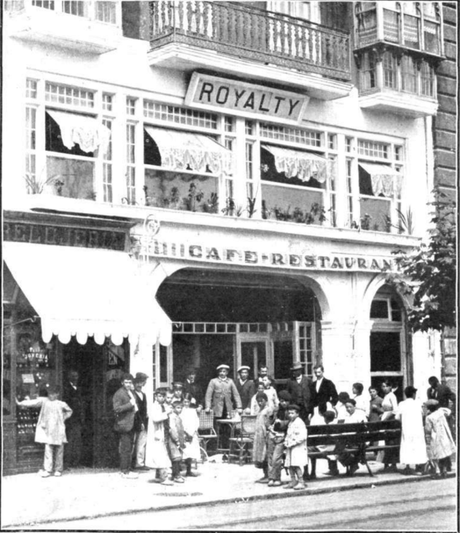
<point>28,499</point>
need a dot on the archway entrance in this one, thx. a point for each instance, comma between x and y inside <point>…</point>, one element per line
<point>237,318</point>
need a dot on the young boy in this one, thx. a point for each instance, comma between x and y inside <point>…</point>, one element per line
<point>156,454</point>
<point>276,436</point>
<point>263,421</point>
<point>51,429</point>
<point>295,445</point>
<point>176,440</point>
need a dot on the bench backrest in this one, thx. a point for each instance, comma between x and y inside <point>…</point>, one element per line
<point>356,433</point>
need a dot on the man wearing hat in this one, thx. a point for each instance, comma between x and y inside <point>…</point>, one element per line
<point>192,388</point>
<point>299,387</point>
<point>221,396</point>
<point>246,387</point>
<point>140,421</point>
<point>125,408</point>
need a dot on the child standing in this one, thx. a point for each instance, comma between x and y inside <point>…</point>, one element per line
<point>439,439</point>
<point>263,421</point>
<point>296,448</point>
<point>191,422</point>
<point>51,429</point>
<point>275,444</point>
<point>176,440</point>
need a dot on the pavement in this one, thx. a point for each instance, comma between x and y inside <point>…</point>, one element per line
<point>29,500</point>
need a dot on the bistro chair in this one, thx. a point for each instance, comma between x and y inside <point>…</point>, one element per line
<point>241,444</point>
<point>206,431</point>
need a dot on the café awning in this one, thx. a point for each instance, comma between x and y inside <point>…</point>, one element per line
<point>83,130</point>
<point>385,180</point>
<point>87,292</point>
<point>297,164</point>
<point>191,151</point>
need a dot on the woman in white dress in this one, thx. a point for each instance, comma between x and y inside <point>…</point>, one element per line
<point>389,406</point>
<point>413,447</point>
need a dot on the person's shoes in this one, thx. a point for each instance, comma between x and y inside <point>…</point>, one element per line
<point>57,474</point>
<point>192,474</point>
<point>276,483</point>
<point>309,477</point>
<point>332,473</point>
<point>167,482</point>
<point>300,486</point>
<point>270,483</point>
<point>129,475</point>
<point>352,469</point>
<point>263,480</point>
<point>390,468</point>
<point>142,468</point>
<point>44,473</point>
<point>179,479</point>
<point>154,480</point>
<point>407,472</point>
<point>290,485</point>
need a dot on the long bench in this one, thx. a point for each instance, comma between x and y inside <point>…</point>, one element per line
<point>356,439</point>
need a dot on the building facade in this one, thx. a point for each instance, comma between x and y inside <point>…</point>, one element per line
<point>194,183</point>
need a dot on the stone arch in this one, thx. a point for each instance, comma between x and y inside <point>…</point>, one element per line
<point>374,285</point>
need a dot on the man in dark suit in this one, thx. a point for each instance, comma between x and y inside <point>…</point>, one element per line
<point>140,422</point>
<point>125,408</point>
<point>245,386</point>
<point>323,391</point>
<point>299,387</point>
<point>192,388</point>
<point>73,398</point>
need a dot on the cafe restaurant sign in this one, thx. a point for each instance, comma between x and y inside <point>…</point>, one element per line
<point>245,99</point>
<point>151,247</point>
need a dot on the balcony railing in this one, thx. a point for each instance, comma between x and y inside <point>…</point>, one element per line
<point>252,34</point>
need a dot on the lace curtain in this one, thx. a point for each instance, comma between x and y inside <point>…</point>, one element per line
<point>384,180</point>
<point>301,165</point>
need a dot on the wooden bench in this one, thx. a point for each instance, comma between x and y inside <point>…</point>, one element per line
<point>355,439</point>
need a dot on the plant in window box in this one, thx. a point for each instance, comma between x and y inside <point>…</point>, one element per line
<point>317,213</point>
<point>173,201</point>
<point>37,185</point>
<point>366,222</point>
<point>282,214</point>
<point>212,204</point>
<point>193,198</point>
<point>251,207</point>
<point>230,207</point>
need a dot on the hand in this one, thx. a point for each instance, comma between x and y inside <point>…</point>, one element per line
<point>207,411</point>
<point>240,411</point>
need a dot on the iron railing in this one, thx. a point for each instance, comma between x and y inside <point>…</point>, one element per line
<point>252,34</point>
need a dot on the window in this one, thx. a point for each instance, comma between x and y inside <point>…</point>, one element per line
<point>389,71</point>
<point>179,115</point>
<point>107,179</point>
<point>131,163</point>
<point>427,79</point>
<point>130,106</point>
<point>367,72</point>
<point>408,75</point>
<point>281,133</point>
<point>373,149</point>
<point>107,102</point>
<point>69,96</point>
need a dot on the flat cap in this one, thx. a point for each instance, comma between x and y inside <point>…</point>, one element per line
<point>226,367</point>
<point>296,366</point>
<point>244,367</point>
<point>140,376</point>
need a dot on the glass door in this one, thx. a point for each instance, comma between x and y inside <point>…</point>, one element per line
<point>254,352</point>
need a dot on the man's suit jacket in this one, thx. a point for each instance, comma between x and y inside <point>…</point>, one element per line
<point>443,394</point>
<point>124,411</point>
<point>73,398</point>
<point>326,393</point>
<point>194,390</point>
<point>246,392</point>
<point>301,395</point>
<point>220,393</point>
<point>141,417</point>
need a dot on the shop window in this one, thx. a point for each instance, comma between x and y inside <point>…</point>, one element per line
<point>283,352</point>
<point>379,309</point>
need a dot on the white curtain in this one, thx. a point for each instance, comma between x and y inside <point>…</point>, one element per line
<point>301,165</point>
<point>384,180</point>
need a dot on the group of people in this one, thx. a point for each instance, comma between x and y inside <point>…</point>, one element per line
<point>162,434</point>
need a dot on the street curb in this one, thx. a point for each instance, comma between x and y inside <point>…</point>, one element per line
<point>256,497</point>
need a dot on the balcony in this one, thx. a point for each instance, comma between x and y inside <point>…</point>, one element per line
<point>252,42</point>
<point>82,26</point>
<point>397,51</point>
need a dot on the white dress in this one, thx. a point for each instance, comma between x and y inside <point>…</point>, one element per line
<point>296,444</point>
<point>413,447</point>
<point>191,422</point>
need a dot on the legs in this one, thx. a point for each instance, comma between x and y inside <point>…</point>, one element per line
<point>54,459</point>
<point>48,459</point>
<point>139,449</point>
<point>126,451</point>
<point>297,481</point>
<point>274,470</point>
<point>176,471</point>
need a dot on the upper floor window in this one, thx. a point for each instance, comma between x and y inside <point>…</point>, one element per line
<point>102,11</point>
<point>69,96</point>
<point>414,25</point>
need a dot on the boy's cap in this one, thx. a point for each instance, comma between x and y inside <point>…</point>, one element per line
<point>284,395</point>
<point>220,367</point>
<point>161,390</point>
<point>140,376</point>
<point>178,385</point>
<point>296,366</point>
<point>293,406</point>
<point>343,397</point>
<point>244,367</point>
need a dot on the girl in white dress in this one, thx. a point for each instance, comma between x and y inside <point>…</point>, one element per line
<point>191,422</point>
<point>295,444</point>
